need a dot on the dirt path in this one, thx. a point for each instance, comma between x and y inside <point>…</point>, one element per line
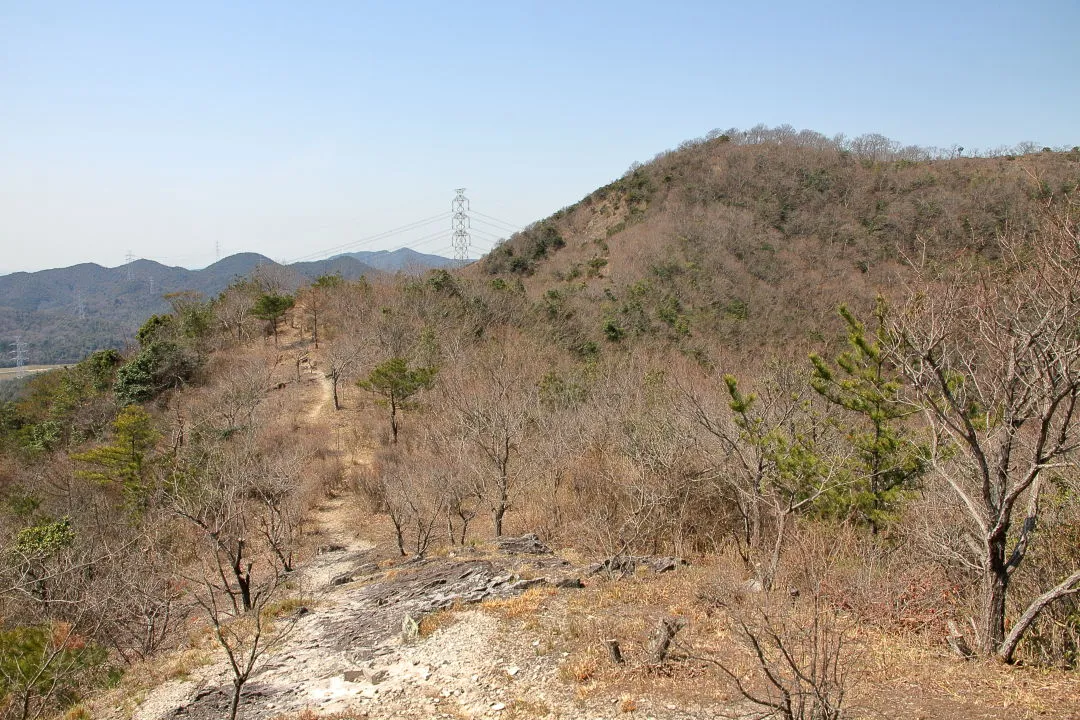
<point>325,401</point>
<point>336,542</point>
<point>356,648</point>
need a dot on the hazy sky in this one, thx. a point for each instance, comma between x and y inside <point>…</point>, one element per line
<point>288,128</point>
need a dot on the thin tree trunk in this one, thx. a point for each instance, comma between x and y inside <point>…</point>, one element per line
<point>399,534</point>
<point>499,511</point>
<point>243,579</point>
<point>237,686</point>
<point>1069,586</point>
<point>756,501</point>
<point>464,526</point>
<point>393,420</point>
<point>995,589</point>
<point>497,518</point>
<point>769,574</point>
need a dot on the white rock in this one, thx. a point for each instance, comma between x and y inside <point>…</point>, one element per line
<point>513,670</point>
<point>497,707</point>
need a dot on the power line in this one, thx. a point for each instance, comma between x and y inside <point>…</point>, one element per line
<point>510,225</point>
<point>417,242</point>
<point>488,236</point>
<point>372,238</point>
<point>492,236</point>
<point>500,230</point>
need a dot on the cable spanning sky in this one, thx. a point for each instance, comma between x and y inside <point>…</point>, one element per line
<point>170,129</point>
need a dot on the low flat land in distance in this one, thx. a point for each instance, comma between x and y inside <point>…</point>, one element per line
<point>11,373</point>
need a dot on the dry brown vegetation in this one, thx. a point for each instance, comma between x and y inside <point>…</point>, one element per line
<point>630,377</point>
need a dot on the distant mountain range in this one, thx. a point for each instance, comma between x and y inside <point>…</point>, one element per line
<point>66,313</point>
<point>404,260</point>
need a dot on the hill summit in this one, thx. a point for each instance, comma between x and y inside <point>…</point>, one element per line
<point>755,237</point>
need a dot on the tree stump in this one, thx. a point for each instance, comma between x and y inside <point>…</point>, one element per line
<point>614,651</point>
<point>958,642</point>
<point>660,644</point>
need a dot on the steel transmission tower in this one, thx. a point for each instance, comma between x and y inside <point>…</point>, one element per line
<point>19,354</point>
<point>80,305</point>
<point>460,224</point>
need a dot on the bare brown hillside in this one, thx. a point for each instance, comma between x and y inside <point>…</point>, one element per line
<point>756,241</point>
<point>599,474</point>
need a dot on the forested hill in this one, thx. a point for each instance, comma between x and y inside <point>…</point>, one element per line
<point>403,260</point>
<point>66,313</point>
<point>754,238</point>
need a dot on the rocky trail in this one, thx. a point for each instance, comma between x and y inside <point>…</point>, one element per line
<point>358,650</point>
<point>376,639</point>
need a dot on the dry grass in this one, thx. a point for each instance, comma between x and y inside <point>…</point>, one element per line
<point>909,675</point>
<point>288,606</point>
<point>523,709</point>
<point>309,714</point>
<point>896,676</point>
<point>433,622</point>
<point>143,677</point>
<point>522,606</point>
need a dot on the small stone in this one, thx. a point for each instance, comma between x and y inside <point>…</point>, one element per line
<point>512,671</point>
<point>329,549</point>
<point>498,707</point>
<point>753,585</point>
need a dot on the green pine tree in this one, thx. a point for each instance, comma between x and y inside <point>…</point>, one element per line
<point>272,307</point>
<point>888,461</point>
<point>124,462</point>
<point>396,383</point>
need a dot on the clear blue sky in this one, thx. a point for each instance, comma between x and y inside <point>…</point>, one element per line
<point>289,127</point>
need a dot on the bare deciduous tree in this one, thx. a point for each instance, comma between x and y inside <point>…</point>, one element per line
<point>993,360</point>
<point>800,667</point>
<point>775,457</point>
<point>493,408</point>
<point>244,639</point>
